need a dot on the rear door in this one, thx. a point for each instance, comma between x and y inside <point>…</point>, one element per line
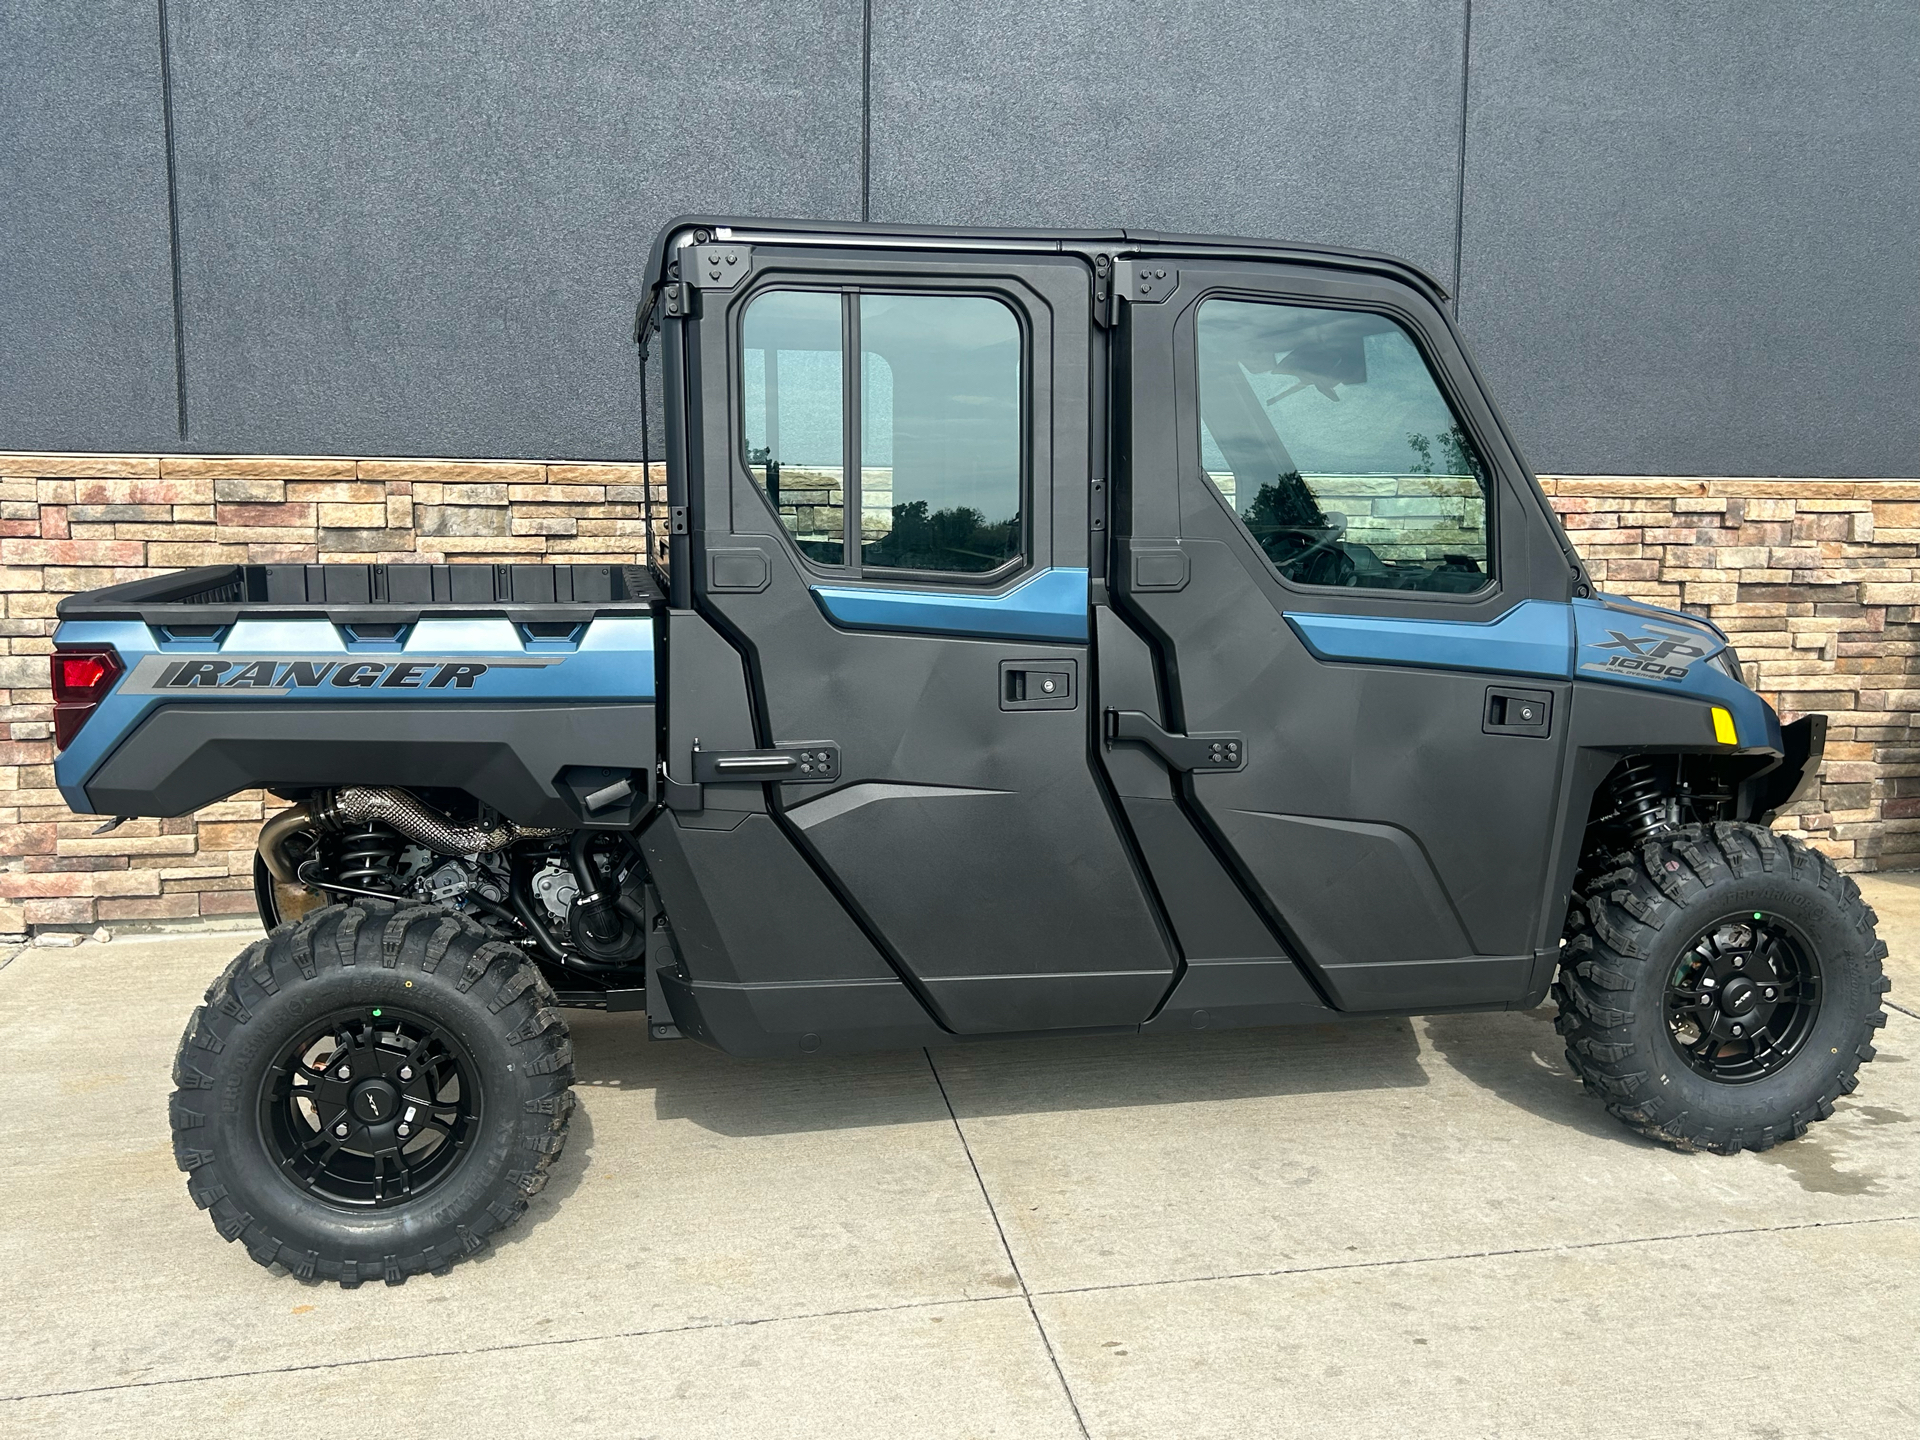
<point>1355,596</point>
<point>890,523</point>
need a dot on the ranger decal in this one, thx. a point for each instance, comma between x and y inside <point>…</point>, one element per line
<point>278,675</point>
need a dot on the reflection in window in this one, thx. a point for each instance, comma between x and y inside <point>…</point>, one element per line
<point>1325,431</point>
<point>939,432</point>
<point>790,379</point>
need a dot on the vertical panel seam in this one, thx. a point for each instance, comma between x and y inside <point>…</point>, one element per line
<point>1460,169</point>
<point>173,228</point>
<point>866,110</point>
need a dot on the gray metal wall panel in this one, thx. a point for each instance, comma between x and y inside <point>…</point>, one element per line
<point>1692,234</point>
<point>1328,122</point>
<point>86,299</point>
<point>420,229</point>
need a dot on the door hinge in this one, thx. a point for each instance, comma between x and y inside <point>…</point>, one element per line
<point>715,267</point>
<point>810,761</point>
<point>1103,290</point>
<point>1181,752</point>
<point>1142,282</point>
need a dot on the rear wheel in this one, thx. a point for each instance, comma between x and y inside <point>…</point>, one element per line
<point>374,1091</point>
<point>1720,987</point>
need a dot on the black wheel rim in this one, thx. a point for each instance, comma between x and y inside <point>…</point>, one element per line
<point>370,1108</point>
<point>1743,997</point>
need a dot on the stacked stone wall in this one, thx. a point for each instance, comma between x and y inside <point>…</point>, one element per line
<point>76,522</point>
<point>1817,581</point>
<point>1817,584</point>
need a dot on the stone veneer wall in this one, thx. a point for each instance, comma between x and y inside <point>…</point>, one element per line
<point>76,522</point>
<point>1816,581</point>
<point>1817,584</point>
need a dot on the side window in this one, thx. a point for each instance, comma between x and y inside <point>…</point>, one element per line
<point>1326,433</point>
<point>939,432</point>
<point>936,480</point>
<point>790,378</point>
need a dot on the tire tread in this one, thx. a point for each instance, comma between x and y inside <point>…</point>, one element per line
<point>1613,929</point>
<point>385,936</point>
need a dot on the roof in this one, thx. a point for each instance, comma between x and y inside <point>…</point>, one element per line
<point>1118,243</point>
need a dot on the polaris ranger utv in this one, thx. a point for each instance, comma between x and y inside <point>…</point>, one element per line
<point>1055,634</point>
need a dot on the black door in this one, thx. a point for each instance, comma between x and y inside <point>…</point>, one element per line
<point>1352,587</point>
<point>890,524</point>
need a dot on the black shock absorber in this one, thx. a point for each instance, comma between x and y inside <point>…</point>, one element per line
<point>368,856</point>
<point>1639,799</point>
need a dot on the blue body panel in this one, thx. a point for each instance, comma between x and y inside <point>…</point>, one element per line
<point>1049,606</point>
<point>437,662</point>
<point>1533,638</point>
<point>1608,640</point>
<point>1612,630</point>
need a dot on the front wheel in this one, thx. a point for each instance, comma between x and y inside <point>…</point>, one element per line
<point>1720,986</point>
<point>371,1092</point>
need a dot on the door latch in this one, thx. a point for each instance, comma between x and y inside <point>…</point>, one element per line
<point>1196,753</point>
<point>1517,712</point>
<point>1039,685</point>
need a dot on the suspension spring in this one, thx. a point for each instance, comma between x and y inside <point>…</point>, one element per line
<point>368,856</point>
<point>1639,799</point>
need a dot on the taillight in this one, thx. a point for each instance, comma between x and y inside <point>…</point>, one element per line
<point>81,680</point>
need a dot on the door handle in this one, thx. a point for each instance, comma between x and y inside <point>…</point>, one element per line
<point>1197,753</point>
<point>1039,684</point>
<point>1517,712</point>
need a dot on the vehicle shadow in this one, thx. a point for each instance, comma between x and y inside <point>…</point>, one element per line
<point>768,1097</point>
<point>1518,1056</point>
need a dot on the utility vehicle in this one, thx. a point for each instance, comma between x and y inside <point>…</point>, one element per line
<point>1050,634</point>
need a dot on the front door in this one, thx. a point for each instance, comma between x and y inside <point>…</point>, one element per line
<point>891,525</point>
<point>1354,593</point>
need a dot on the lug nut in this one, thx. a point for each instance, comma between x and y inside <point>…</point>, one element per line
<point>345,1072</point>
<point>1739,1030</point>
<point>1739,962</point>
<point>1769,992</point>
<point>406,1072</point>
<point>341,1129</point>
<point>406,1129</point>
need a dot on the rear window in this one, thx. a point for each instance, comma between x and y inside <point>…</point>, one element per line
<point>934,418</point>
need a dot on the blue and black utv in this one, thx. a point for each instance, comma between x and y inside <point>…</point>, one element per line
<point>1052,634</point>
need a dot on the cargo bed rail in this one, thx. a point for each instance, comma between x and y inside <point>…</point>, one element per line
<point>213,596</point>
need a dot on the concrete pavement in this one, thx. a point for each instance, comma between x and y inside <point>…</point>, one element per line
<point>1386,1227</point>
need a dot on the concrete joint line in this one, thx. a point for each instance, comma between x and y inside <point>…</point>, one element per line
<point>554,1343</point>
<point>1483,1254</point>
<point>1001,1231</point>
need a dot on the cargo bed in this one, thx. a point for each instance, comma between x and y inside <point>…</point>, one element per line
<point>519,684</point>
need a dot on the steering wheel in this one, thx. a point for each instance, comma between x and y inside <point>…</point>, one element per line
<point>1320,561</point>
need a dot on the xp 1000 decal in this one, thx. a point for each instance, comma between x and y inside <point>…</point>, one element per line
<point>1656,652</point>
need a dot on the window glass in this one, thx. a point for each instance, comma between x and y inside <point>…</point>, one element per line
<point>939,432</point>
<point>790,380</point>
<point>1327,434</point>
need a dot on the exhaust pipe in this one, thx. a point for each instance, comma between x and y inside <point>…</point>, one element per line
<point>411,816</point>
